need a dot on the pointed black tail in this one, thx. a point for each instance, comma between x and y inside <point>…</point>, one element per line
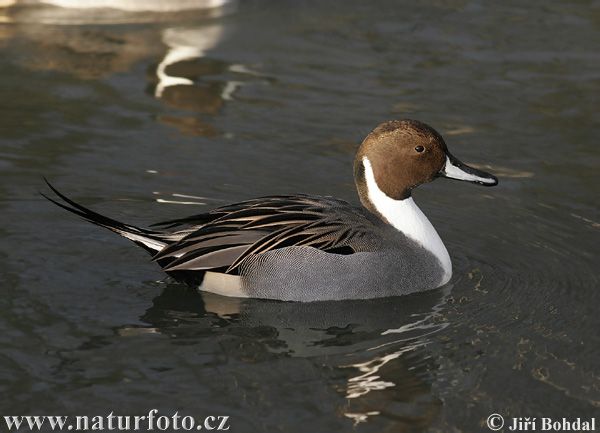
<point>151,240</point>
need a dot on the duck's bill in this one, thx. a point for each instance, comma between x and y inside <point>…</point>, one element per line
<point>454,169</point>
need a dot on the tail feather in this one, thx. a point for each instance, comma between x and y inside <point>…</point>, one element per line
<point>151,240</point>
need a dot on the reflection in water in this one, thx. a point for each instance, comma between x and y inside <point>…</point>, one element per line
<point>138,5</point>
<point>186,45</point>
<point>78,12</point>
<point>371,342</point>
<point>396,386</point>
<point>374,372</point>
<point>87,53</point>
<point>394,382</point>
<point>331,327</point>
<point>181,79</point>
<point>390,380</point>
<point>189,125</point>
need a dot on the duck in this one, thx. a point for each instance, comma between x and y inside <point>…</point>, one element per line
<point>307,248</point>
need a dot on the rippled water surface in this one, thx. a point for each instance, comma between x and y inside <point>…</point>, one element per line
<point>147,116</point>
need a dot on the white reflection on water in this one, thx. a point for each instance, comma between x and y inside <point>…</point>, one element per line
<point>185,44</point>
<point>138,5</point>
<point>371,378</point>
<point>79,12</point>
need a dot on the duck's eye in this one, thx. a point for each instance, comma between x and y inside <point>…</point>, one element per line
<point>419,149</point>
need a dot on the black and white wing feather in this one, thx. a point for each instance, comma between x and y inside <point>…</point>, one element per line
<point>255,226</point>
<point>222,239</point>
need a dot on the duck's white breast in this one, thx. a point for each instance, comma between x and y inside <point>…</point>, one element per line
<point>405,216</point>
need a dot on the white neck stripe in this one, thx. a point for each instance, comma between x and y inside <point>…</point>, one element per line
<point>406,217</point>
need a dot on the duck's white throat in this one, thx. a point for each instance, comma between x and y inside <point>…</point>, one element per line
<point>405,216</point>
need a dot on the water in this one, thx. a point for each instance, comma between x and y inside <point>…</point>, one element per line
<point>147,117</point>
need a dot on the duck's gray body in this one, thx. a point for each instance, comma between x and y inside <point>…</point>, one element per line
<point>311,248</point>
<point>368,259</point>
<point>290,274</point>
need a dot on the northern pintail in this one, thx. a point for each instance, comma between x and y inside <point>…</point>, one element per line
<point>310,248</point>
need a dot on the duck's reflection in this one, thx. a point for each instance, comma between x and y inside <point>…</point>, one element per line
<point>371,357</point>
<point>378,345</point>
<point>314,328</point>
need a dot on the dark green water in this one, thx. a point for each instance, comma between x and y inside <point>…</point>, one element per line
<point>139,115</point>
